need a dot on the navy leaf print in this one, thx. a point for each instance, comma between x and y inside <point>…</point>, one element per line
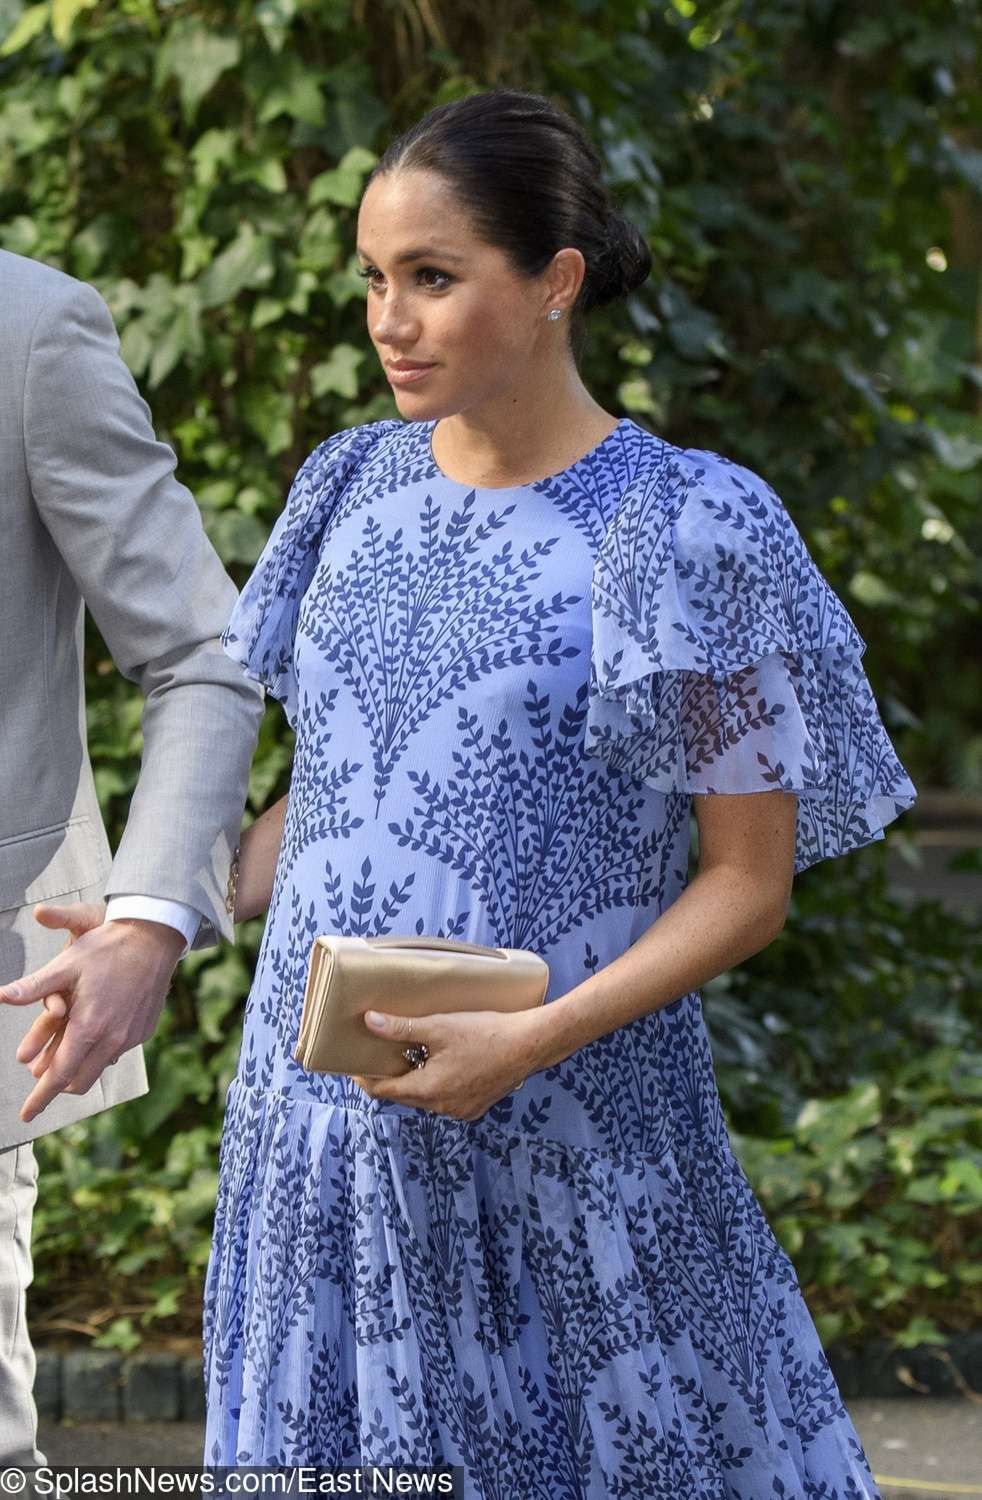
<point>406,633</point>
<point>542,838</point>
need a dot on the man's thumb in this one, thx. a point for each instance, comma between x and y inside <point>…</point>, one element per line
<point>80,917</point>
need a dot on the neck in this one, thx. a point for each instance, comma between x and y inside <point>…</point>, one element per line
<point>518,436</point>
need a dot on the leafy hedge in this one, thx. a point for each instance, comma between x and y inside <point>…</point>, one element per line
<point>849,1057</point>
<point>808,179</point>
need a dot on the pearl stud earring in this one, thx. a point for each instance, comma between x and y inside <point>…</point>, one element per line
<point>555,313</point>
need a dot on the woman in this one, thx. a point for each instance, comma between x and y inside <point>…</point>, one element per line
<point>519,639</point>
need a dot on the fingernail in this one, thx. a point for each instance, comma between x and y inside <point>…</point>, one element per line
<point>13,990</point>
<point>374,1019</point>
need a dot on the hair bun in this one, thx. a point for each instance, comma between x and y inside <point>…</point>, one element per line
<point>623,265</point>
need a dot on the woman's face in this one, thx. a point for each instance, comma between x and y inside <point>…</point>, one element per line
<point>441,298</point>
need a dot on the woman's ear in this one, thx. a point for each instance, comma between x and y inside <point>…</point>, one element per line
<point>564,279</point>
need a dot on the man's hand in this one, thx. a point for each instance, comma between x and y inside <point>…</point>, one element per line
<point>112,978</point>
<point>39,1047</point>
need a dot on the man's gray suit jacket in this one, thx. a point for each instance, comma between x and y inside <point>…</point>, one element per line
<point>92,514</point>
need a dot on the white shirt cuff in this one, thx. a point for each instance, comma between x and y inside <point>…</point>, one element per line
<point>157,909</point>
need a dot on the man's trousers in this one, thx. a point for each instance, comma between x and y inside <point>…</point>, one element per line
<point>18,1414</point>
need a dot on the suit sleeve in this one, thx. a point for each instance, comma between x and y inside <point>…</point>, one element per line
<point>132,537</point>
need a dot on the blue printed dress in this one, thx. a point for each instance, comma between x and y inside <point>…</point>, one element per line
<point>504,700</point>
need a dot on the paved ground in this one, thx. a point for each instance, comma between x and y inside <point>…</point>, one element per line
<point>917,1447</point>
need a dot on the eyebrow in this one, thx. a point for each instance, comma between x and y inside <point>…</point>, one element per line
<point>421,254</point>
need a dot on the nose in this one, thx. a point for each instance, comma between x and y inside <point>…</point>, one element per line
<point>392,323</point>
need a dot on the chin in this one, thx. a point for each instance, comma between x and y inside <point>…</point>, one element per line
<point>421,408</point>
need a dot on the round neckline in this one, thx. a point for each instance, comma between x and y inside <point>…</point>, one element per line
<point>430,427</point>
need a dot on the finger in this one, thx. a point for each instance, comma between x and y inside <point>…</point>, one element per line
<point>368,1081</point>
<point>59,975</point>
<point>403,1028</point>
<point>98,1060</point>
<point>44,1028</point>
<point>56,1005</point>
<point>79,917</point>
<point>78,1064</point>
<point>43,1061</point>
<point>39,1055</point>
<point>403,1089</point>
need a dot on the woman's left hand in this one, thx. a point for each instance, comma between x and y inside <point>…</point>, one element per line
<point>475,1058</point>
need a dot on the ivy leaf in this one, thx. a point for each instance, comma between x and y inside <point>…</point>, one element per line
<point>23,129</point>
<point>216,494</point>
<point>20,235</point>
<point>267,310</point>
<point>136,345</point>
<point>31,24</point>
<point>870,589</point>
<point>269,413</point>
<point>919,1330</point>
<point>246,262</point>
<point>94,244</point>
<point>235,537</point>
<point>187,1078</point>
<point>119,1335</point>
<point>339,373</point>
<point>214,149</point>
<point>274,16</point>
<point>636,395</point>
<point>197,58</point>
<point>345,285</point>
<point>296,93</point>
<point>181,337</point>
<point>268,173</point>
<point>63,16</point>
<point>694,332</point>
<point>319,243</point>
<point>343,183</point>
<point>828,1124</point>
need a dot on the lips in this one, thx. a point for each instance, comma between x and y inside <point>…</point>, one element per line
<point>407,372</point>
<point>406,365</point>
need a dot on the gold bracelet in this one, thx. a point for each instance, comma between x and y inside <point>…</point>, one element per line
<point>233,883</point>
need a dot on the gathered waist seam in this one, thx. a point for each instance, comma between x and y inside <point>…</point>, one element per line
<point>712,1149</point>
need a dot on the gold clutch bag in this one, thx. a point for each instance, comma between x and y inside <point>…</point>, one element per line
<point>402,976</point>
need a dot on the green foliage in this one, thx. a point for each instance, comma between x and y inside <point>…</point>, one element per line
<point>808,178</point>
<point>849,1061</point>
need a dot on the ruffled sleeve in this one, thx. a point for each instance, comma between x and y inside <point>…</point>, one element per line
<point>722,661</point>
<point>261,630</point>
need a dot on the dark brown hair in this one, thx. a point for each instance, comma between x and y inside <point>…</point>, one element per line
<point>531,183</point>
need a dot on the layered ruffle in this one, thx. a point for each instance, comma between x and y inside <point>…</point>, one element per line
<point>261,631</point>
<point>396,1287</point>
<point>722,661</point>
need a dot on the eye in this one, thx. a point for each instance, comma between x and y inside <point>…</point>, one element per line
<point>368,272</point>
<point>432,271</point>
